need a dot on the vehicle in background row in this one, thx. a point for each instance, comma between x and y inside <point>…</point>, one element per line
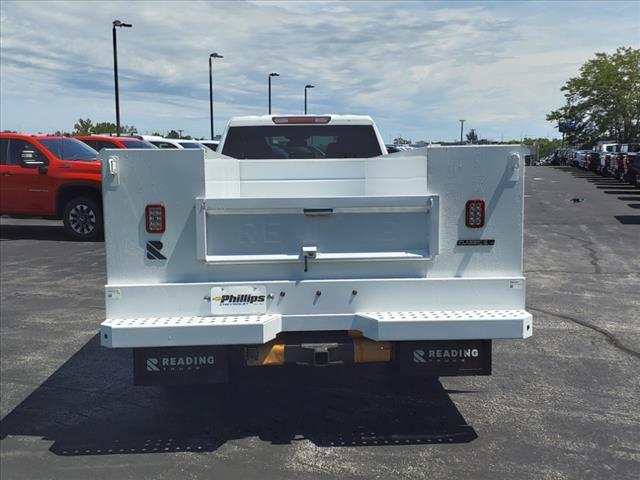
<point>604,160</point>
<point>98,142</point>
<point>580,158</point>
<point>635,169</point>
<point>392,149</point>
<point>52,177</point>
<point>616,166</point>
<point>210,144</point>
<point>631,153</point>
<point>592,161</point>
<point>164,143</point>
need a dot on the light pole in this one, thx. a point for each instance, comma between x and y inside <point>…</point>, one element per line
<point>461,127</point>
<point>273,74</point>
<point>305,97</point>
<point>117,23</point>
<point>213,55</point>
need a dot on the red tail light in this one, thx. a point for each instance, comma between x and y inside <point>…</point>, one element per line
<point>155,218</point>
<point>300,120</point>
<point>474,217</point>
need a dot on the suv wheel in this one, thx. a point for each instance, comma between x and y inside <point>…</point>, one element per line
<point>82,218</point>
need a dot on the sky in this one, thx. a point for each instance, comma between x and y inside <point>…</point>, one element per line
<point>416,67</point>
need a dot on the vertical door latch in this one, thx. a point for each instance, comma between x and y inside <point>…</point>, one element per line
<point>308,252</point>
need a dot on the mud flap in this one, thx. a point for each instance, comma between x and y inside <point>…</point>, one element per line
<point>442,358</point>
<point>180,365</point>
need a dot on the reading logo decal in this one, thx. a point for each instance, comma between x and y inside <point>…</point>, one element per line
<point>444,354</point>
<point>153,250</point>
<point>180,363</point>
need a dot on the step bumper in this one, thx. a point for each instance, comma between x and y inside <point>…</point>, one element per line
<point>259,329</point>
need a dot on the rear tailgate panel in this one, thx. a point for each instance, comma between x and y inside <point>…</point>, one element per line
<point>447,267</point>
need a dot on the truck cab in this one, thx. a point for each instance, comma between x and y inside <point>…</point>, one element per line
<point>298,137</point>
<point>52,177</point>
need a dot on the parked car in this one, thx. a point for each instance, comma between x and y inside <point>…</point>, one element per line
<point>635,169</point>
<point>605,150</point>
<point>392,149</point>
<point>592,161</point>
<point>616,166</point>
<point>210,144</point>
<point>98,142</point>
<point>52,177</point>
<point>162,142</point>
<point>580,158</point>
<point>631,153</point>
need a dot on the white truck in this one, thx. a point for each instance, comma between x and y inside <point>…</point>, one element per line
<point>301,241</point>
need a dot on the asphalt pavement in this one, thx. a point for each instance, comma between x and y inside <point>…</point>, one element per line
<point>564,404</point>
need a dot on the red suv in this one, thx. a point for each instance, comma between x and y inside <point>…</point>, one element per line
<point>52,177</point>
<point>98,142</point>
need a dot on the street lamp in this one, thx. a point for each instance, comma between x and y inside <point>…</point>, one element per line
<point>273,74</point>
<point>305,97</point>
<point>117,23</point>
<point>213,55</point>
<point>461,126</point>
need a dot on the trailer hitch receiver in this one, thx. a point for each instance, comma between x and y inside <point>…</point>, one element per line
<point>320,354</point>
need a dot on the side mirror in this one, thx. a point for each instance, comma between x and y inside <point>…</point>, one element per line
<point>31,158</point>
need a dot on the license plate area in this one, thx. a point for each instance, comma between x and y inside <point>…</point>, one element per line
<point>239,300</point>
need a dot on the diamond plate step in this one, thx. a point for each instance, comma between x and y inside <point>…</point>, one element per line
<point>183,331</point>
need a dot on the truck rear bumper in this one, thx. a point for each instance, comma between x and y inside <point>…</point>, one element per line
<point>259,329</point>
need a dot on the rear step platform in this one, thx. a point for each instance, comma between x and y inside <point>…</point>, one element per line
<point>259,329</point>
<point>448,325</point>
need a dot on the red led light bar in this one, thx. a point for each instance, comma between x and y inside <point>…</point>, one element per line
<point>474,217</point>
<point>155,218</point>
<point>300,120</point>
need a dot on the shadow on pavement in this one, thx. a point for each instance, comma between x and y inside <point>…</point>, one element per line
<point>33,232</point>
<point>628,219</point>
<point>90,407</point>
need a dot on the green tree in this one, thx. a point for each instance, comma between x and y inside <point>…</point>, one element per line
<point>544,145</point>
<point>472,136</point>
<point>173,134</point>
<point>604,100</point>
<point>86,127</point>
<point>401,141</point>
<point>83,127</point>
<point>104,127</point>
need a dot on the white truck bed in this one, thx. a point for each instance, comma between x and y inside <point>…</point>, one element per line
<point>392,256</point>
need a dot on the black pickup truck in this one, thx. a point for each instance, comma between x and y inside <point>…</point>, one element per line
<point>632,163</point>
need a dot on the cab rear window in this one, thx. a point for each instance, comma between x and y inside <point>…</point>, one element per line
<point>302,141</point>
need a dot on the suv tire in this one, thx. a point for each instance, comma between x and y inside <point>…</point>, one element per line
<point>82,217</point>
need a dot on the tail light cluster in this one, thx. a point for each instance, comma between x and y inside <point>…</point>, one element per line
<point>155,218</point>
<point>474,217</point>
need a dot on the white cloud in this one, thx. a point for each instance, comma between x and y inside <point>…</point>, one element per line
<point>415,67</point>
